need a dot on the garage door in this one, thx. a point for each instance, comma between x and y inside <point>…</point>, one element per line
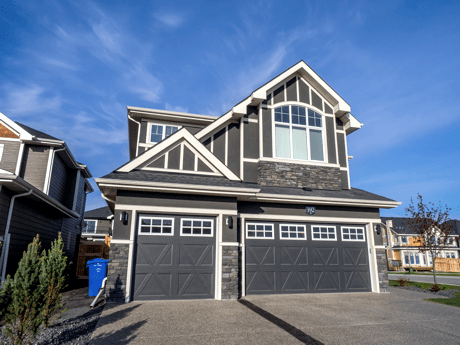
<point>286,258</point>
<point>175,258</point>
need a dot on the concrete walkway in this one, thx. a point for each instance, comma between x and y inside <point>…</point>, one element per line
<point>442,279</point>
<point>400,317</point>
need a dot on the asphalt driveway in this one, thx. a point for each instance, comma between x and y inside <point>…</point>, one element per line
<point>399,317</point>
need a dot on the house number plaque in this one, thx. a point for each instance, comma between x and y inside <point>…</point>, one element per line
<point>311,210</point>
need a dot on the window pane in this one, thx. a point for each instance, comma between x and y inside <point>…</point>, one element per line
<point>166,230</point>
<point>196,231</point>
<point>301,235</point>
<point>285,114</point>
<point>295,115</point>
<point>187,223</point>
<point>145,229</point>
<point>251,234</point>
<point>157,134</point>
<point>145,221</point>
<point>170,130</point>
<point>299,143</point>
<point>283,142</point>
<point>206,231</point>
<point>187,230</point>
<point>251,227</point>
<point>156,229</point>
<point>316,145</point>
<point>268,234</point>
<point>278,114</point>
<point>284,234</point>
<point>302,116</point>
<point>156,221</point>
<point>207,224</point>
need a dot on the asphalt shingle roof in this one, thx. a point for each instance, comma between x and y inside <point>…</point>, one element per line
<point>400,225</point>
<point>98,213</point>
<point>36,133</point>
<point>167,177</point>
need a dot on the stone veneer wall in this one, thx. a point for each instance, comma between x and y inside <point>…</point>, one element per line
<point>231,268</point>
<point>280,174</point>
<point>117,272</point>
<point>382,269</point>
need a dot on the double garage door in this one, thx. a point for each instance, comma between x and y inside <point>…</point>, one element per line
<point>175,258</point>
<point>287,258</point>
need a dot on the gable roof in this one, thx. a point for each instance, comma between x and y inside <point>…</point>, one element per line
<point>181,135</point>
<point>259,95</point>
<point>400,225</point>
<point>36,133</point>
<point>98,213</point>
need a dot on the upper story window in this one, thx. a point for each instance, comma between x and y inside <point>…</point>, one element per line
<point>90,227</point>
<point>403,239</point>
<point>159,132</point>
<point>299,133</point>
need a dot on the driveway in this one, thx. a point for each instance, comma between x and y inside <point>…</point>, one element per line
<point>442,279</point>
<point>399,317</point>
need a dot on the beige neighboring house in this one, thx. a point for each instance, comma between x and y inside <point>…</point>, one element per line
<point>98,224</point>
<point>403,245</point>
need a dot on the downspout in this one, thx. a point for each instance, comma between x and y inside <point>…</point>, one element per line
<point>51,169</point>
<point>138,133</point>
<point>6,241</point>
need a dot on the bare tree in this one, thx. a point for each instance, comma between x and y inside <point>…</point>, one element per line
<point>433,225</point>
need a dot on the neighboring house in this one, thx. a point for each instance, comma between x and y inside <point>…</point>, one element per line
<point>403,245</point>
<point>42,191</point>
<point>257,201</point>
<point>98,224</point>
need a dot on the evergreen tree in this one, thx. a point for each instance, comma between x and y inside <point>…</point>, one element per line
<point>53,279</point>
<point>24,312</point>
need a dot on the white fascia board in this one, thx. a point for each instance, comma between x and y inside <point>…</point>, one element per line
<point>22,133</point>
<point>193,141</point>
<point>173,115</point>
<point>351,124</point>
<point>326,201</point>
<point>340,106</point>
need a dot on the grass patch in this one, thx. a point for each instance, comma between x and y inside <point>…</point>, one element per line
<point>425,286</point>
<point>426,274</point>
<point>447,301</point>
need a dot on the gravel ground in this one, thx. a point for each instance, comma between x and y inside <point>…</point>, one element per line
<point>75,325</point>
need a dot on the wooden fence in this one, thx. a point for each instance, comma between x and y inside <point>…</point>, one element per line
<point>447,265</point>
<point>89,250</point>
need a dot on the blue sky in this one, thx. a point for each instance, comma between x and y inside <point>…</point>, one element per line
<point>71,68</point>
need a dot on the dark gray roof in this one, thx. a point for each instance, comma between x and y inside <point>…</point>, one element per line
<point>400,225</point>
<point>204,180</point>
<point>36,133</point>
<point>98,213</point>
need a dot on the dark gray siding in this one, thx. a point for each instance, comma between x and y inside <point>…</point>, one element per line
<point>5,197</point>
<point>330,140</point>
<point>299,210</point>
<point>229,234</point>
<point>252,112</point>
<point>203,166</point>
<point>142,149</point>
<point>10,155</point>
<point>207,143</point>
<point>278,95</point>
<point>316,100</point>
<point>327,109</point>
<point>345,184</point>
<point>120,230</point>
<point>267,132</point>
<point>193,129</point>
<point>250,171</point>
<point>342,150</point>
<point>219,144</point>
<point>143,133</point>
<point>251,140</point>
<point>304,92</point>
<point>189,159</point>
<point>34,164</point>
<point>291,90</point>
<point>174,158</point>
<point>62,185</point>
<point>158,163</point>
<point>234,148</point>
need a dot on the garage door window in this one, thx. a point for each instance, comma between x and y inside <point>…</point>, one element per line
<point>323,233</point>
<point>292,232</point>
<point>259,230</point>
<point>196,227</point>
<point>352,234</point>
<point>156,226</point>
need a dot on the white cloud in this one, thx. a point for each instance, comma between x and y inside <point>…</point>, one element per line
<point>177,108</point>
<point>170,19</point>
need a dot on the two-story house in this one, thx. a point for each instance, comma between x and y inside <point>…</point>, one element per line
<point>256,201</point>
<point>403,244</point>
<point>98,224</point>
<point>42,191</point>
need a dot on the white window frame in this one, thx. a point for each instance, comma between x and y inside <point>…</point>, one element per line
<point>95,226</point>
<point>324,239</point>
<point>404,239</point>
<point>156,233</point>
<point>451,254</point>
<point>354,227</point>
<point>297,232</point>
<point>307,128</point>
<point>261,238</point>
<point>196,220</point>
<point>159,123</point>
<point>2,148</point>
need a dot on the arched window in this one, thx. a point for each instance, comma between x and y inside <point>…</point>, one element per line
<point>299,133</point>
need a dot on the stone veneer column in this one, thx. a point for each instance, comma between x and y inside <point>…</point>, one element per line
<point>231,268</point>
<point>117,272</point>
<point>382,269</point>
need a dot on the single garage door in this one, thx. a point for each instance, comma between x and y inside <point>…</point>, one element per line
<point>175,258</point>
<point>286,258</point>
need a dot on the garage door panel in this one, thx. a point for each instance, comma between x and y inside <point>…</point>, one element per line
<point>261,255</point>
<point>326,281</point>
<point>261,281</point>
<point>195,284</point>
<point>158,285</point>
<point>355,257</point>
<point>196,255</point>
<point>292,281</point>
<point>294,255</point>
<point>356,280</point>
<point>325,256</point>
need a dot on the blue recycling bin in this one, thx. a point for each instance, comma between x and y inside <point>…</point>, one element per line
<point>97,273</point>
